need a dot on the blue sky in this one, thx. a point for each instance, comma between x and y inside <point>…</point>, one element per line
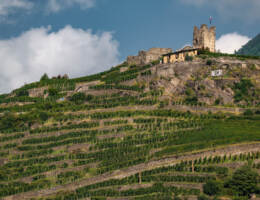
<point>82,37</point>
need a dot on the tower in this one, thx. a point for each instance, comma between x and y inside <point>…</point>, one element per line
<point>205,38</point>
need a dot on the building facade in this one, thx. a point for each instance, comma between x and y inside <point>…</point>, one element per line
<point>179,56</point>
<point>204,38</point>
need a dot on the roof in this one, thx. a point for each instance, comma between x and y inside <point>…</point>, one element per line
<point>181,51</point>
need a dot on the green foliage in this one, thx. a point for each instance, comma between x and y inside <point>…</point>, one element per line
<point>209,62</point>
<point>43,116</point>
<point>21,93</point>
<point>242,90</point>
<point>212,187</point>
<point>251,48</point>
<point>188,58</point>
<point>217,101</point>
<point>53,92</point>
<point>204,53</point>
<point>203,197</point>
<point>244,181</point>
<point>44,77</point>
<point>78,98</point>
<point>48,143</point>
<point>248,112</point>
<point>9,120</point>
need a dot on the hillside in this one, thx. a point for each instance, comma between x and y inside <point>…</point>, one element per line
<point>156,131</point>
<point>251,48</point>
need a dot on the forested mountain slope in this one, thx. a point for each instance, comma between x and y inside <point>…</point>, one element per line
<point>251,48</point>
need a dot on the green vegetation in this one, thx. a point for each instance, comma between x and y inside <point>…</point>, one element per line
<point>126,138</point>
<point>251,48</point>
<point>203,53</point>
<point>188,58</point>
<point>244,182</point>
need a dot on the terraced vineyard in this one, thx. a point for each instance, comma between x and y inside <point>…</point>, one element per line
<point>120,135</point>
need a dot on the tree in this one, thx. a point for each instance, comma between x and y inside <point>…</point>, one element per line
<point>43,116</point>
<point>8,120</point>
<point>244,181</point>
<point>44,77</point>
<point>212,187</point>
<point>53,92</point>
<point>21,93</point>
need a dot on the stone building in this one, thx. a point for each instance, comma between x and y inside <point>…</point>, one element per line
<point>204,38</point>
<point>145,57</point>
<point>179,56</point>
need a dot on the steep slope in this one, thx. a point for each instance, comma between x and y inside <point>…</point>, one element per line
<point>251,48</point>
<point>159,131</point>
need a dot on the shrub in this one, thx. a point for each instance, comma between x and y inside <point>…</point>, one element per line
<point>43,116</point>
<point>22,93</point>
<point>53,92</point>
<point>203,197</point>
<point>44,77</point>
<point>217,101</point>
<point>212,187</point>
<point>244,181</point>
<point>78,98</point>
<point>248,112</point>
<point>188,58</point>
<point>209,62</point>
<point>242,90</point>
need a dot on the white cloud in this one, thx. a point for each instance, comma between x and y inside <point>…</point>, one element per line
<point>75,52</point>
<point>8,6</point>
<point>229,9</point>
<point>230,42</point>
<point>57,5</point>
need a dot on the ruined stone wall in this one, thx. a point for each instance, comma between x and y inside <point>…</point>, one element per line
<point>204,38</point>
<point>145,57</point>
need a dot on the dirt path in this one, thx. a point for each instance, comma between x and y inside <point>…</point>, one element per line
<point>118,174</point>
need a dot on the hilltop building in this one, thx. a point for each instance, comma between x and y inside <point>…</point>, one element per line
<point>180,55</point>
<point>145,57</point>
<point>203,38</point>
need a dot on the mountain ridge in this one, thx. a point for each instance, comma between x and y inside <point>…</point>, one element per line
<point>251,48</point>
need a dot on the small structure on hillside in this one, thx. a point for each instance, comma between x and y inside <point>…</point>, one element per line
<point>145,57</point>
<point>218,72</point>
<point>179,56</point>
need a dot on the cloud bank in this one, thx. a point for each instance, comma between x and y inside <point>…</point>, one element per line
<point>231,42</point>
<point>247,10</point>
<point>75,52</point>
<point>58,5</point>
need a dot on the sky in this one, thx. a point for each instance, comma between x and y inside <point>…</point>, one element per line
<point>82,37</point>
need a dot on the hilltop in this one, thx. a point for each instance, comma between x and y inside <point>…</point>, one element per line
<point>251,48</point>
<point>153,131</point>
